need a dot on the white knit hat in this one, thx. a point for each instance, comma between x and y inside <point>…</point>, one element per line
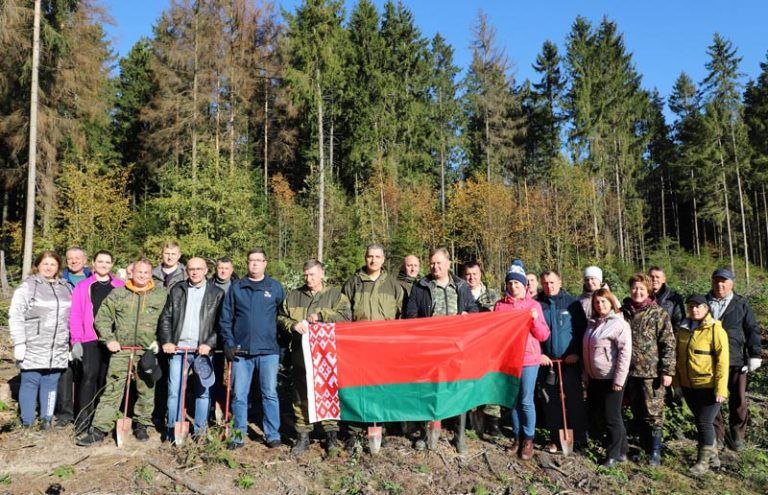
<point>594,272</point>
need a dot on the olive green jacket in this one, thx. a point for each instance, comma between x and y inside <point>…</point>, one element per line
<point>383,302</point>
<point>329,304</point>
<point>130,318</point>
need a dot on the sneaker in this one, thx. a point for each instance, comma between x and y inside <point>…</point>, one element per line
<point>45,424</point>
<point>273,444</point>
<point>235,445</point>
<point>140,432</point>
<point>91,437</point>
<point>526,449</point>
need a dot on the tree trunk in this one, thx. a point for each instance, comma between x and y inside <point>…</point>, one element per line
<point>194,98</point>
<point>663,211</point>
<point>594,220</point>
<point>232,138</point>
<point>741,207</point>
<point>29,225</point>
<point>330,151</point>
<point>442,175</point>
<point>266,135</point>
<point>487,146</point>
<point>727,210</point>
<point>321,167</point>
<point>695,217</point>
<point>217,137</point>
<point>758,231</point>
<point>619,208</point>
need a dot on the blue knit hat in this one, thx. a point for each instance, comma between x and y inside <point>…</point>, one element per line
<point>516,272</point>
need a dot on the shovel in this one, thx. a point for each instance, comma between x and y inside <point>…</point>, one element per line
<point>433,434</point>
<point>226,402</point>
<point>566,435</point>
<point>124,424</point>
<point>374,438</point>
<point>181,426</point>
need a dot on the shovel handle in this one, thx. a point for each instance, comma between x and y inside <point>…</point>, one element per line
<point>128,382</point>
<point>184,373</point>
<point>226,402</point>
<point>562,391</point>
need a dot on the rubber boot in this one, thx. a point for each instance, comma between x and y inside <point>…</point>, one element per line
<point>301,445</point>
<point>461,441</point>
<point>656,442</point>
<point>705,454</point>
<point>492,427</point>
<point>332,444</point>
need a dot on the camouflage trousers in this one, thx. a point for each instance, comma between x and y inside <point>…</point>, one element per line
<point>301,404</point>
<point>646,401</point>
<point>108,411</point>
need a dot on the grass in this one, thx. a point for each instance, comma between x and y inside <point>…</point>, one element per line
<point>5,479</point>
<point>245,481</point>
<point>64,472</point>
<point>391,487</point>
<point>145,473</point>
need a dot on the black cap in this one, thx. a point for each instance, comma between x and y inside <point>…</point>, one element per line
<point>696,299</point>
<point>723,273</point>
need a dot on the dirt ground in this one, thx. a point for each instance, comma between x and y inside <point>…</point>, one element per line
<point>50,463</point>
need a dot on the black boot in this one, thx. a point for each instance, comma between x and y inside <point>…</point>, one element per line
<point>91,437</point>
<point>492,427</point>
<point>332,443</point>
<point>301,445</point>
<point>140,432</point>
<point>655,454</point>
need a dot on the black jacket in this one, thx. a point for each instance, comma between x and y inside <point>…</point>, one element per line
<point>172,317</point>
<point>672,303</point>
<point>420,301</point>
<point>742,328</point>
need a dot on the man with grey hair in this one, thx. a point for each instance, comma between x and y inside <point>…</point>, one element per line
<point>313,302</point>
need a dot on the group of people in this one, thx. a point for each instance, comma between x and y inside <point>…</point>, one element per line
<point>75,333</point>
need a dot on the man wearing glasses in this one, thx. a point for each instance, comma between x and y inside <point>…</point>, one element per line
<point>249,330</point>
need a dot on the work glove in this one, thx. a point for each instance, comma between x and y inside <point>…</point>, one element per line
<point>754,364</point>
<point>77,352</point>
<point>154,347</point>
<point>230,353</point>
<point>19,351</point>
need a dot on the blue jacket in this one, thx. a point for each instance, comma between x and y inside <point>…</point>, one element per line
<point>249,316</point>
<point>67,275</point>
<point>567,322</point>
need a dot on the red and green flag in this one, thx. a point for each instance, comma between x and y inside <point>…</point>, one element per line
<point>414,370</point>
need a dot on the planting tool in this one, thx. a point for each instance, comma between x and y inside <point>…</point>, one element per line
<point>566,434</point>
<point>125,424</point>
<point>374,438</point>
<point>181,426</point>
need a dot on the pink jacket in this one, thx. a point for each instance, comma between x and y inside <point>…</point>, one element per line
<point>539,331</point>
<point>607,349</point>
<point>81,317</point>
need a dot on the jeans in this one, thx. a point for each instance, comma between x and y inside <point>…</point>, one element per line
<point>37,385</point>
<point>525,407</point>
<point>202,401</point>
<point>242,372</point>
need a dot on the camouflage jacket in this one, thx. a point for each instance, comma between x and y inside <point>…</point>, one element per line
<point>487,299</point>
<point>130,317</point>
<point>653,343</point>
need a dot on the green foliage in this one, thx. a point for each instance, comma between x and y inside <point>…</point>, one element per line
<point>245,481</point>
<point>216,214</point>
<point>391,487</point>
<point>64,472</point>
<point>5,479</point>
<point>753,467</point>
<point>480,490</point>
<point>145,473</point>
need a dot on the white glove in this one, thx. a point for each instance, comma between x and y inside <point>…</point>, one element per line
<point>154,347</point>
<point>754,363</point>
<point>19,351</point>
<point>77,351</point>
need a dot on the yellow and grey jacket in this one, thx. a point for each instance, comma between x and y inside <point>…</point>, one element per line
<point>702,355</point>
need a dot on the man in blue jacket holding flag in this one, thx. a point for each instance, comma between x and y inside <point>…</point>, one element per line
<point>249,331</point>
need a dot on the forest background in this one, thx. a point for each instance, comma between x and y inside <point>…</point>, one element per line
<point>315,131</point>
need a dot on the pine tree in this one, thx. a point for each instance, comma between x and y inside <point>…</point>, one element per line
<point>545,120</point>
